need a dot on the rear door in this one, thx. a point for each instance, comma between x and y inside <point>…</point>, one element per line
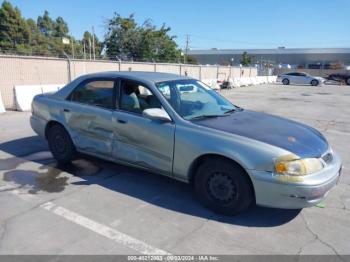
<point>89,116</point>
<point>303,79</point>
<point>139,140</point>
<point>293,78</point>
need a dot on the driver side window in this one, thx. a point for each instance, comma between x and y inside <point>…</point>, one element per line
<point>136,97</point>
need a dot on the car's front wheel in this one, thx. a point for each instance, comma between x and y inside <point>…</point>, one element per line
<point>314,82</point>
<point>223,186</point>
<point>285,81</point>
<point>60,144</point>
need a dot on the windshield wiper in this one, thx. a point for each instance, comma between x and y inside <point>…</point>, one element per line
<point>230,111</point>
<point>233,110</point>
<point>206,116</point>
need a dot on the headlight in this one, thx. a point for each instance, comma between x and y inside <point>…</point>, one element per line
<point>298,167</point>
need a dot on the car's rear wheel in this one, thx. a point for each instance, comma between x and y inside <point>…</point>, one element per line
<point>223,186</point>
<point>348,81</point>
<point>60,144</point>
<point>314,82</point>
<point>285,81</point>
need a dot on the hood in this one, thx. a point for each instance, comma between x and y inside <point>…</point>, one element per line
<point>295,137</point>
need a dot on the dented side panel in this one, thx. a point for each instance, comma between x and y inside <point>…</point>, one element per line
<point>144,142</point>
<point>92,128</point>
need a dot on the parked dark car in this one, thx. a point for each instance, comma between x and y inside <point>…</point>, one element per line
<point>345,77</point>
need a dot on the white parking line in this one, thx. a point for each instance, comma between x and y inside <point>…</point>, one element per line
<point>103,230</point>
<point>94,226</point>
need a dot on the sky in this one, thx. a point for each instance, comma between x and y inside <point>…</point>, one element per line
<point>223,24</point>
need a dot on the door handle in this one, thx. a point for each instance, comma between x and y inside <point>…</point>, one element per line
<point>66,110</point>
<point>122,121</point>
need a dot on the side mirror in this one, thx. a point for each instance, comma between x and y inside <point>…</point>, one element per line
<point>156,114</point>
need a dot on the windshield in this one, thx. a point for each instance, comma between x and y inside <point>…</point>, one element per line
<point>192,99</point>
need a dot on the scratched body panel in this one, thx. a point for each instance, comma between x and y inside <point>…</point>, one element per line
<point>144,142</point>
<point>92,128</point>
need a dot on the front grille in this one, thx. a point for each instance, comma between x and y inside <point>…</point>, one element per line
<point>327,157</point>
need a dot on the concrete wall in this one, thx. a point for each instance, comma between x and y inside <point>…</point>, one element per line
<point>22,70</point>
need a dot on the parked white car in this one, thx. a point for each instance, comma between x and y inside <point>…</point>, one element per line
<point>300,78</point>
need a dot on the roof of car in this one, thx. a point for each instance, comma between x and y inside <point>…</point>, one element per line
<point>139,75</point>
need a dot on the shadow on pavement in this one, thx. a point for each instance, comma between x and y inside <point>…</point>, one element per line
<point>152,188</point>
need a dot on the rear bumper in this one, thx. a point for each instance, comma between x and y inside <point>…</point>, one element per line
<point>272,192</point>
<point>38,125</point>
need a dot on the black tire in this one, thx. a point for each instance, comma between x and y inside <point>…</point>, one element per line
<point>285,81</point>
<point>348,81</point>
<point>315,82</point>
<point>223,186</point>
<point>60,144</point>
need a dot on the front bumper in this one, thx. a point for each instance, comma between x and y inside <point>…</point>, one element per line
<point>270,191</point>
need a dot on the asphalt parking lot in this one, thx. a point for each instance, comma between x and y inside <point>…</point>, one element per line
<point>97,207</point>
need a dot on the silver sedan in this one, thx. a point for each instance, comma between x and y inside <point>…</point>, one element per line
<point>179,127</point>
<point>300,78</point>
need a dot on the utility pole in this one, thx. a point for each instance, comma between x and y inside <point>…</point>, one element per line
<point>93,42</point>
<point>72,48</point>
<point>90,47</point>
<point>186,48</point>
<point>84,48</point>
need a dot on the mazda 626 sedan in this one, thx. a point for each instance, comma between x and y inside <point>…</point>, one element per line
<point>177,126</point>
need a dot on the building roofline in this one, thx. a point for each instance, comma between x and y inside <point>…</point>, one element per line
<point>271,51</point>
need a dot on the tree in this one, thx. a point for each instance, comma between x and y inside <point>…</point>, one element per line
<point>122,38</point>
<point>128,40</point>
<point>246,59</point>
<point>14,31</point>
<point>88,42</point>
<point>45,24</point>
<point>38,44</point>
<point>192,60</point>
<point>60,28</point>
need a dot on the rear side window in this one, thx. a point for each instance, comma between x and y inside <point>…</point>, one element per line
<point>97,93</point>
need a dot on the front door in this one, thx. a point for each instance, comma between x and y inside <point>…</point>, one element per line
<point>141,141</point>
